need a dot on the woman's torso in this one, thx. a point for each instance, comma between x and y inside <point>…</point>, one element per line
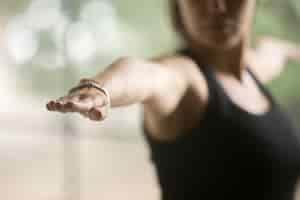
<point>230,152</point>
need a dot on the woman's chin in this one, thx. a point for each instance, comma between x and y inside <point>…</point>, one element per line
<point>223,42</point>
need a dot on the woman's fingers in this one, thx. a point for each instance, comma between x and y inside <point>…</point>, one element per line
<point>71,103</point>
<point>295,54</point>
<point>62,105</point>
<point>51,106</point>
<point>100,109</point>
<point>89,104</point>
<point>95,114</point>
<point>68,107</point>
<point>98,113</point>
<point>54,105</point>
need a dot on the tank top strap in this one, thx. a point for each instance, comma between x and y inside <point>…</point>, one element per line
<point>261,86</point>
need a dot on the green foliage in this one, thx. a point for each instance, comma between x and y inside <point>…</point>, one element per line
<point>286,87</point>
<point>278,18</point>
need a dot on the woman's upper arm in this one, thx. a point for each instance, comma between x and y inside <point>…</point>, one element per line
<point>177,74</point>
<point>268,59</point>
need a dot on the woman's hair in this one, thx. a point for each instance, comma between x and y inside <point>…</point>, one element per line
<point>175,16</point>
<point>177,23</point>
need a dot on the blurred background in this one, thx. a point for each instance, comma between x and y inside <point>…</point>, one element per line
<point>46,46</point>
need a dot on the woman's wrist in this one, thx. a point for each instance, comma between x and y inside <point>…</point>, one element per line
<point>92,83</point>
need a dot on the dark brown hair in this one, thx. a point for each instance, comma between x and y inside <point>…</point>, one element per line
<point>177,23</point>
<point>175,16</point>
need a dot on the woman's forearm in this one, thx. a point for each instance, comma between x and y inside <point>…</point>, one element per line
<point>270,57</point>
<point>295,54</point>
<point>159,84</point>
<point>129,80</point>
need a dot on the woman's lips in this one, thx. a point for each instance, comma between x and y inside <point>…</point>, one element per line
<point>224,28</point>
<point>221,25</point>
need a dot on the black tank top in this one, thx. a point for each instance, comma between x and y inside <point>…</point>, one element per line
<point>232,154</point>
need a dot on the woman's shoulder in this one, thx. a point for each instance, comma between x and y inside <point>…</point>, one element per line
<point>191,104</point>
<point>182,61</point>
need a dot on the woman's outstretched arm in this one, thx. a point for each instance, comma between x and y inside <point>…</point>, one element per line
<point>270,57</point>
<point>158,83</point>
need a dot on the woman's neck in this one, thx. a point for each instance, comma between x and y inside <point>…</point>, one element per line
<point>229,60</point>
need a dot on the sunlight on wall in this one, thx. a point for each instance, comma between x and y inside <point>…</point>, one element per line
<point>22,42</point>
<point>44,35</point>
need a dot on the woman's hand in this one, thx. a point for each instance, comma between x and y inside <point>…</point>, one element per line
<point>89,102</point>
<point>269,59</point>
<point>294,54</point>
<point>159,84</point>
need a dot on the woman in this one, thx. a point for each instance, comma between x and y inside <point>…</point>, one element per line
<point>214,130</point>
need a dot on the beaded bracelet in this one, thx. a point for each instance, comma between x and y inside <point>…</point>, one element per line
<point>91,84</point>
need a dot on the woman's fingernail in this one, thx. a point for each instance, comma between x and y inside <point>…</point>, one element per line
<point>48,106</point>
<point>51,105</point>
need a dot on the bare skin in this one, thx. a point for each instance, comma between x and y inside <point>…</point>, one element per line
<point>169,87</point>
<point>229,39</point>
<point>224,36</point>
